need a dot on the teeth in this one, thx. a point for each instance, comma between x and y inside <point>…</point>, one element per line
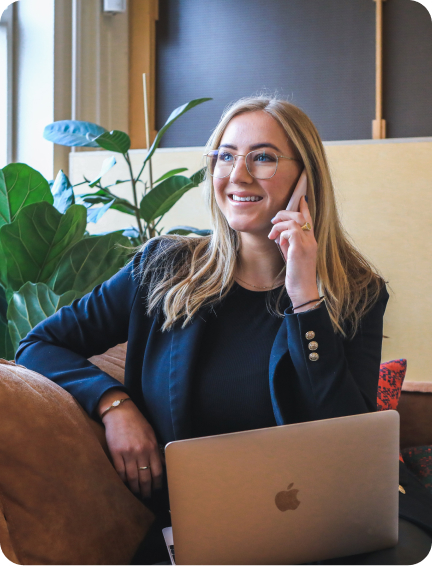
<point>246,199</point>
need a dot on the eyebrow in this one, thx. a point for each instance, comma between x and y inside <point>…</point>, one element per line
<point>251,147</point>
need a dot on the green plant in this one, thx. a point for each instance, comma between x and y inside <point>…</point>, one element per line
<point>47,259</point>
<point>157,197</point>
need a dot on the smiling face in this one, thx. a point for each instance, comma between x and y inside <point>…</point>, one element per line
<point>247,132</point>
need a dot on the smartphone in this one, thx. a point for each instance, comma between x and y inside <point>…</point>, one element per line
<point>294,202</point>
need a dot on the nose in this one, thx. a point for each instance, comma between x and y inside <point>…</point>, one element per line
<point>240,174</point>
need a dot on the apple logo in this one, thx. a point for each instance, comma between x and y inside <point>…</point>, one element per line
<point>287,499</point>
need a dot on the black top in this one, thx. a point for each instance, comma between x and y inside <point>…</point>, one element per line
<point>231,389</point>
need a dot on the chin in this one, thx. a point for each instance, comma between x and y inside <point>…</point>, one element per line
<point>247,227</point>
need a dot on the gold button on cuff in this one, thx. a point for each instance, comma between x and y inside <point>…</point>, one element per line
<point>310,335</point>
<point>313,357</point>
<point>313,345</point>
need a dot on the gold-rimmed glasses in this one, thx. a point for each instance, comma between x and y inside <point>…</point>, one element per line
<point>260,163</point>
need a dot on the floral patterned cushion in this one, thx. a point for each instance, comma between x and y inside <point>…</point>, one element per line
<point>390,382</point>
<point>419,460</point>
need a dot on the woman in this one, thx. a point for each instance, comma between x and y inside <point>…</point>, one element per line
<point>225,332</point>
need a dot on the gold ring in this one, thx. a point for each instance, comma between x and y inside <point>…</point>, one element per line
<point>306,227</point>
<point>144,468</point>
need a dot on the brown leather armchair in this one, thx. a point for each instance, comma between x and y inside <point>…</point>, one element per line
<point>60,499</point>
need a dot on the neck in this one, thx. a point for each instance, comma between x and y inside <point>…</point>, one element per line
<point>259,262</point>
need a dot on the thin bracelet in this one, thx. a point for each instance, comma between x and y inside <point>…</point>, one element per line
<point>113,405</point>
<point>314,307</point>
<point>304,304</point>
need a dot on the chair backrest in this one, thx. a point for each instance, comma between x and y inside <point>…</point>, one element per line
<point>112,362</point>
<point>415,409</point>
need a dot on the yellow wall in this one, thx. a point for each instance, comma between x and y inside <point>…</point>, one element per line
<point>384,191</point>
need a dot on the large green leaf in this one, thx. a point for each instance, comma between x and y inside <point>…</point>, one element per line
<point>35,242</point>
<point>73,133</point>
<point>62,191</point>
<point>91,261</point>
<point>20,185</point>
<point>114,141</point>
<point>175,114</point>
<point>198,177</point>
<point>6,350</point>
<point>3,267</point>
<point>171,173</point>
<point>164,196</point>
<point>32,304</point>
<point>4,201</point>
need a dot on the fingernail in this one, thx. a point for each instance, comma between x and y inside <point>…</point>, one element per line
<point>306,198</point>
<point>273,219</point>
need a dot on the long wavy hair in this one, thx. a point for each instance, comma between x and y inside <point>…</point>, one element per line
<point>189,272</point>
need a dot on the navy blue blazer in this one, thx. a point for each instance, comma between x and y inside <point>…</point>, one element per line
<point>160,365</point>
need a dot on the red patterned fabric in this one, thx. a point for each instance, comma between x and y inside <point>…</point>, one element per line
<point>419,460</point>
<point>390,382</point>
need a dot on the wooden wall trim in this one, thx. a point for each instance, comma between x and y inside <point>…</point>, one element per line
<point>379,124</point>
<point>143,15</point>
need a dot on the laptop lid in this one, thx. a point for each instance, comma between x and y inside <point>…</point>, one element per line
<point>288,494</point>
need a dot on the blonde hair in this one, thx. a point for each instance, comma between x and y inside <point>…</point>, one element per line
<point>189,272</point>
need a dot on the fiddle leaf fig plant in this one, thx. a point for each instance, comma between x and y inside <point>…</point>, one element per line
<point>151,200</point>
<point>47,258</point>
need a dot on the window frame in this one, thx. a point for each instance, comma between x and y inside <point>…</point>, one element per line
<point>7,21</point>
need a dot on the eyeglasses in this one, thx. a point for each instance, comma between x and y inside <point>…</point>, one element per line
<point>261,164</point>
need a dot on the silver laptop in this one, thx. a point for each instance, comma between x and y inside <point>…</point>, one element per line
<point>286,495</point>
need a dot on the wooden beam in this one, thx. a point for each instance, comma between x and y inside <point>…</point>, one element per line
<point>143,15</point>
<point>379,125</point>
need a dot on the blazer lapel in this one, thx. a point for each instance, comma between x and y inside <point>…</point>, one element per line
<point>185,345</point>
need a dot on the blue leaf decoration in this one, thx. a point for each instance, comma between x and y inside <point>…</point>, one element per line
<point>73,133</point>
<point>62,192</point>
<point>108,163</point>
<point>131,232</point>
<point>95,214</point>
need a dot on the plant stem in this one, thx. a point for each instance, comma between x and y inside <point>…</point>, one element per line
<point>137,214</point>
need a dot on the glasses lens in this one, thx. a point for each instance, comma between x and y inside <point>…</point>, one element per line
<point>261,163</point>
<point>220,163</point>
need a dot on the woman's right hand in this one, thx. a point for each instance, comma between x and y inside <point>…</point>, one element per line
<point>132,444</point>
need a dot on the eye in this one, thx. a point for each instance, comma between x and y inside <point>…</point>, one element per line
<point>263,157</point>
<point>225,156</point>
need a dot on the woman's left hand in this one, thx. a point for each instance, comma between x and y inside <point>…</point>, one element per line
<point>299,248</point>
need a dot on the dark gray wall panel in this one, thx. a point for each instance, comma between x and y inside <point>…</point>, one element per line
<point>320,54</point>
<point>408,69</point>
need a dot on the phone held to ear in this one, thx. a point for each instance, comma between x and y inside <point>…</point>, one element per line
<point>294,202</point>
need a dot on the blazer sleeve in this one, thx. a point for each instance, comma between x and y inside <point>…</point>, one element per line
<point>59,346</point>
<point>344,379</point>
